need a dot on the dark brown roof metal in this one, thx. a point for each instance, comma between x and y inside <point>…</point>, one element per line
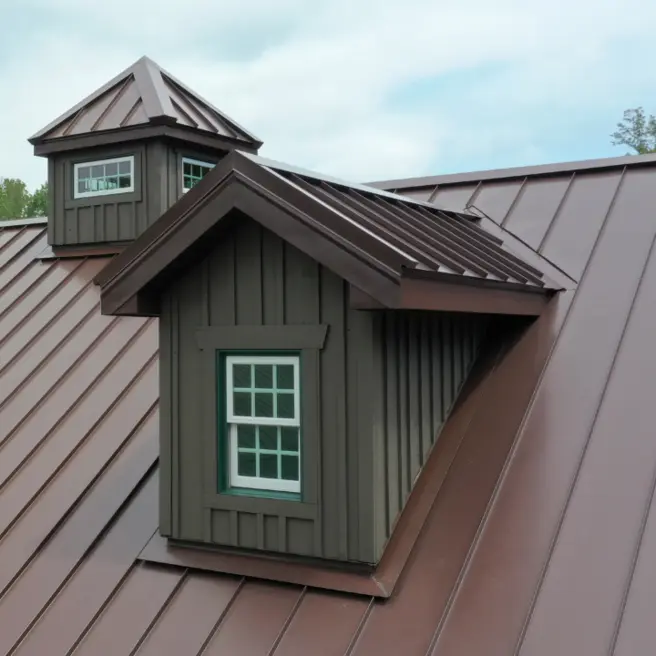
<point>417,186</point>
<point>381,243</point>
<point>542,535</point>
<point>142,95</point>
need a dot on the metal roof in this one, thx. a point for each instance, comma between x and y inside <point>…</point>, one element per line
<point>143,94</point>
<point>542,536</point>
<point>375,241</point>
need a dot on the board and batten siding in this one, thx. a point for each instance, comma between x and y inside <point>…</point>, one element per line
<point>122,217</point>
<point>385,382</point>
<point>112,218</point>
<point>425,359</point>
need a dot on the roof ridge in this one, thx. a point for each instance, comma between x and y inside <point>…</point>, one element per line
<point>470,177</point>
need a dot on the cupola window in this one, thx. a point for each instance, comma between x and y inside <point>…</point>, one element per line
<point>193,171</point>
<point>103,177</point>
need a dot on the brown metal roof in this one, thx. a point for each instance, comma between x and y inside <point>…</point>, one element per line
<point>143,94</point>
<point>375,240</point>
<point>542,536</point>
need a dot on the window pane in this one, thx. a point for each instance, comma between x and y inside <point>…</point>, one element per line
<point>83,172</point>
<point>289,439</point>
<point>82,186</point>
<point>246,437</point>
<point>268,437</point>
<point>124,182</point>
<point>264,376</point>
<point>268,465</point>
<point>241,404</point>
<point>241,375</point>
<point>285,376</point>
<point>289,467</point>
<point>286,405</point>
<point>125,167</point>
<point>246,464</point>
<point>263,404</point>
<point>111,183</point>
<point>111,169</point>
<point>97,171</point>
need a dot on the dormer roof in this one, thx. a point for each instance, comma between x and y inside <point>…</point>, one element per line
<point>401,253</point>
<point>144,100</point>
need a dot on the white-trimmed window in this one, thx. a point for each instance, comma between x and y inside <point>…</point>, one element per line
<point>263,422</point>
<point>193,171</point>
<point>103,177</point>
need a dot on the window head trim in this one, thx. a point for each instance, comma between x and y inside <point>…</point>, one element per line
<point>103,162</point>
<point>255,429</point>
<point>194,162</point>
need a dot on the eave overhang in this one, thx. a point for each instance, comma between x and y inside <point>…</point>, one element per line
<point>164,129</point>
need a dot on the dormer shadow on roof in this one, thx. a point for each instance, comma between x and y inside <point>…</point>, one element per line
<point>314,337</point>
<point>122,156</point>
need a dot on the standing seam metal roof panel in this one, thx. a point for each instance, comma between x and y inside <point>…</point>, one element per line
<point>547,492</point>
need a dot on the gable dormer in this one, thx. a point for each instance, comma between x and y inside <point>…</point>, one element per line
<point>126,153</point>
<point>314,337</point>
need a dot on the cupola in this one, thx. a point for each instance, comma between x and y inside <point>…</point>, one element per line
<point>122,156</point>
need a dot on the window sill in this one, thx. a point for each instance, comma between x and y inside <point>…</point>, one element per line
<point>262,494</point>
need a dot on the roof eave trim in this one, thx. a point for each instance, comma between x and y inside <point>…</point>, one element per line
<point>453,294</point>
<point>163,126</point>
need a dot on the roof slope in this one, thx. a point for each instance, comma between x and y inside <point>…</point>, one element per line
<point>542,535</point>
<point>529,203</point>
<point>143,94</point>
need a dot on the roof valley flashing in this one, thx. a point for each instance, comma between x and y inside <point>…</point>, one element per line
<point>314,334</point>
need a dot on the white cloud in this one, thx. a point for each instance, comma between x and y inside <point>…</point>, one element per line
<point>329,84</point>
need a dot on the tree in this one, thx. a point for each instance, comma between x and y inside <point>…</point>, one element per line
<point>38,202</point>
<point>637,131</point>
<point>16,201</point>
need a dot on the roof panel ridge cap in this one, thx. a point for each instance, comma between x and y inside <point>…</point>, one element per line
<point>208,105</point>
<point>154,96</point>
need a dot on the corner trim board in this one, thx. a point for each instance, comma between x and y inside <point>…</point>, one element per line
<point>258,337</point>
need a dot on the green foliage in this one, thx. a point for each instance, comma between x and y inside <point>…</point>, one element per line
<point>16,201</point>
<point>38,202</point>
<point>637,131</point>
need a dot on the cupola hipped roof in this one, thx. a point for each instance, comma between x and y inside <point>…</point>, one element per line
<point>142,101</point>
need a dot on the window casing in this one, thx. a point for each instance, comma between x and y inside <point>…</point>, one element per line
<point>193,171</point>
<point>263,422</point>
<point>103,177</point>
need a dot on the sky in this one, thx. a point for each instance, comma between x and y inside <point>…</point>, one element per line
<point>360,89</point>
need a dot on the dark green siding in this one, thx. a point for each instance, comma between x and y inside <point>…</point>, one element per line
<point>380,388</point>
<point>116,218</point>
<point>425,359</point>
